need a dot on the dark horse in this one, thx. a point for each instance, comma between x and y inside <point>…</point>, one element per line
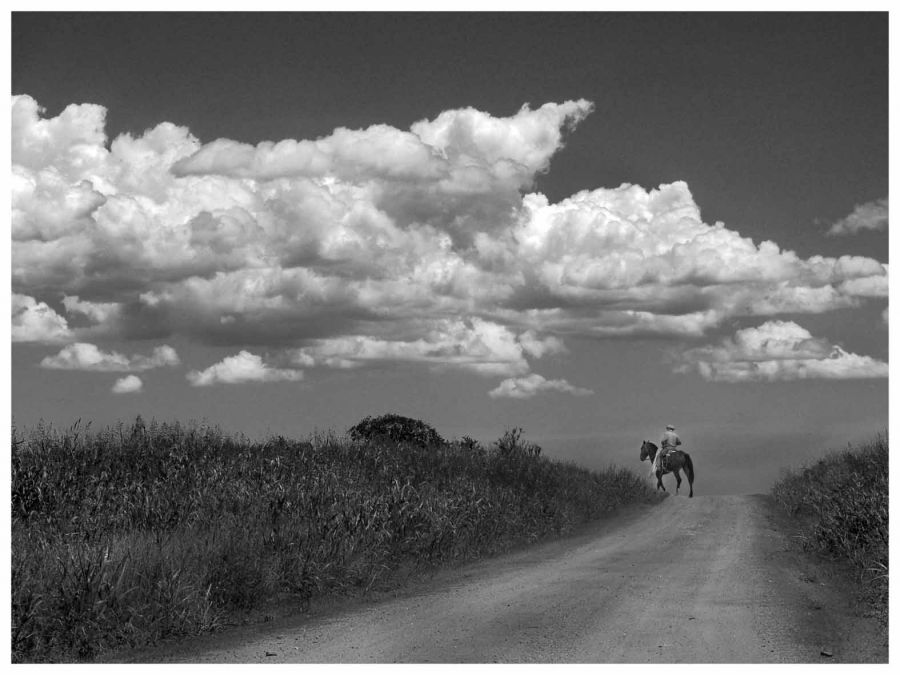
<point>675,461</point>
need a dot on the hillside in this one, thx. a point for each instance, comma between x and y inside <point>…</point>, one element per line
<point>132,534</point>
<point>840,508</point>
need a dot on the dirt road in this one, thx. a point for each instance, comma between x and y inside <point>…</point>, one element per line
<point>709,579</point>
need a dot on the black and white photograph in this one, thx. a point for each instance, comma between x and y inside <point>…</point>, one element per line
<point>477,334</point>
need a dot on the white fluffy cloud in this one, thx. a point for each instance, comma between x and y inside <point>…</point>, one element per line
<point>34,321</point>
<point>130,384</point>
<point>875,286</point>
<point>777,350</point>
<point>421,245</point>
<point>480,346</point>
<point>868,216</point>
<point>533,384</point>
<point>243,367</point>
<point>453,150</point>
<point>96,312</point>
<point>85,356</point>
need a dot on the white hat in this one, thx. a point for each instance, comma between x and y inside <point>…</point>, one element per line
<point>669,427</point>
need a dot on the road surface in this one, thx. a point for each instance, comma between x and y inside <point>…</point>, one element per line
<point>706,580</point>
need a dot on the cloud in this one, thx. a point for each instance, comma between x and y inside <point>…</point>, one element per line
<point>875,286</point>
<point>451,150</point>
<point>373,245</point>
<point>34,321</point>
<point>86,356</point>
<point>480,346</point>
<point>869,216</point>
<point>630,249</point>
<point>69,142</point>
<point>775,351</point>
<point>96,312</point>
<point>243,367</point>
<point>130,384</point>
<point>531,385</point>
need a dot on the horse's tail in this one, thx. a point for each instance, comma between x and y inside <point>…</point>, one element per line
<point>689,470</point>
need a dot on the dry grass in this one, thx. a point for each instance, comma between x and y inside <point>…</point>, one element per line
<point>841,506</point>
<point>124,537</point>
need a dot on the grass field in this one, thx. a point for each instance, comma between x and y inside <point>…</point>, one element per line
<point>841,506</point>
<point>132,534</point>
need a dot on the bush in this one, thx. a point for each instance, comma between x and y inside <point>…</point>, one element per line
<point>511,443</point>
<point>396,428</point>
<point>470,444</point>
<point>841,503</point>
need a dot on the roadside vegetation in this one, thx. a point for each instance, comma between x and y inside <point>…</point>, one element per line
<point>128,535</point>
<point>841,506</point>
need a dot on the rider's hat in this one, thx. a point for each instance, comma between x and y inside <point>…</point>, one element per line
<point>670,427</point>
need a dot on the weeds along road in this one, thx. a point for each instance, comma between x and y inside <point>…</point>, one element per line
<point>709,579</point>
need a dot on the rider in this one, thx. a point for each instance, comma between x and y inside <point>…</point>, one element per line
<point>669,441</point>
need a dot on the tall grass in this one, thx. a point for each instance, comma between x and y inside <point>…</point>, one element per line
<point>131,534</point>
<point>841,505</point>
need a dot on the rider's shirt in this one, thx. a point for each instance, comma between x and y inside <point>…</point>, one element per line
<point>670,440</point>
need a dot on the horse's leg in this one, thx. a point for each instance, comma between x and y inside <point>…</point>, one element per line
<point>659,483</point>
<point>677,480</point>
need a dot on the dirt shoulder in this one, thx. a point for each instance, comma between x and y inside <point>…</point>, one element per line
<point>831,589</point>
<point>714,579</point>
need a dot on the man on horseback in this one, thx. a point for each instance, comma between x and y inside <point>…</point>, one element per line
<point>668,443</point>
<point>668,459</point>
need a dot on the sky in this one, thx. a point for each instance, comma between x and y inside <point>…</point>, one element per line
<point>586,225</point>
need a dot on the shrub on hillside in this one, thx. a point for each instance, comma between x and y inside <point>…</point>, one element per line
<point>841,503</point>
<point>470,444</point>
<point>396,428</point>
<point>511,443</point>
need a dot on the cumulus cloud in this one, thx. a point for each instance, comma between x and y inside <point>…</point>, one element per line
<point>243,367</point>
<point>130,384</point>
<point>34,321</point>
<point>452,149</point>
<point>868,216</point>
<point>86,356</point>
<point>777,350</point>
<point>420,245</point>
<point>480,346</point>
<point>96,312</point>
<point>533,384</point>
<point>875,286</point>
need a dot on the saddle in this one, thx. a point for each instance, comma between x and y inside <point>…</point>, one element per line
<point>664,457</point>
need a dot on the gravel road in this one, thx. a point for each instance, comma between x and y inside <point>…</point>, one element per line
<point>709,579</point>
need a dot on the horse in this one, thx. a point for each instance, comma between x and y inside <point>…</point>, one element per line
<point>675,461</point>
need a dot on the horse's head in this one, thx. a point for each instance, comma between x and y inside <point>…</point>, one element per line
<point>648,450</point>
